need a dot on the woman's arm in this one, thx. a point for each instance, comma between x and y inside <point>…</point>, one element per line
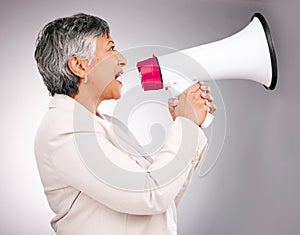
<point>73,171</point>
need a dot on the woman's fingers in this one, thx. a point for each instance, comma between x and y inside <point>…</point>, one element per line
<point>207,96</point>
<point>203,101</point>
<point>195,102</point>
<point>172,102</point>
<point>204,86</point>
<point>212,107</point>
<point>203,93</point>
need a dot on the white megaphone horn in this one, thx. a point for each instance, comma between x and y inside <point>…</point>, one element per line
<point>248,54</point>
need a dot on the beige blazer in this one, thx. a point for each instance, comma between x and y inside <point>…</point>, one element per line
<point>84,204</point>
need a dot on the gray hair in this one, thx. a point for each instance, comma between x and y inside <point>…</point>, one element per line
<point>61,39</point>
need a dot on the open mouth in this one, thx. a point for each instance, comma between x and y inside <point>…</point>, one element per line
<point>118,74</point>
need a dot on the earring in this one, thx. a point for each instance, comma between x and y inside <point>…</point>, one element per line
<point>85,80</point>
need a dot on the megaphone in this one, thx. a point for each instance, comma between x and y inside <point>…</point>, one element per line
<point>248,54</point>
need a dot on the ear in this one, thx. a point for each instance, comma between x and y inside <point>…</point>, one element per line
<point>77,66</point>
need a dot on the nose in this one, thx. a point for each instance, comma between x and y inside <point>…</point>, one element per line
<point>121,59</point>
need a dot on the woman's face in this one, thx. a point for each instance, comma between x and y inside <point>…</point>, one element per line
<point>105,69</point>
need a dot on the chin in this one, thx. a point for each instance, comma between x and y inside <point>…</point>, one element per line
<point>118,92</point>
<point>113,91</point>
<point>116,98</point>
<point>116,95</point>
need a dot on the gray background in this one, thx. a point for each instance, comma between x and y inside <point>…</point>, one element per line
<point>254,186</point>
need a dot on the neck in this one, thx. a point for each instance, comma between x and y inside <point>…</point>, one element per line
<point>88,99</point>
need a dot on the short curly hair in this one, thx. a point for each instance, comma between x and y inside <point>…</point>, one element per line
<point>61,39</point>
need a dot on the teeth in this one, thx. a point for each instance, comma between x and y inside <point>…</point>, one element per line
<point>118,74</point>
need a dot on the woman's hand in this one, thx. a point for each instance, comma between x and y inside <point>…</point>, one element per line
<point>194,103</point>
<point>204,87</point>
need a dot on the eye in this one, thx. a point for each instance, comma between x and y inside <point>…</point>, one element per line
<point>113,48</point>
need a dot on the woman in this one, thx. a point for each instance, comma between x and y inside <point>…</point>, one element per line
<point>80,64</point>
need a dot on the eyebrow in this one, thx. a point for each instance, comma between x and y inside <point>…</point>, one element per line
<point>110,42</point>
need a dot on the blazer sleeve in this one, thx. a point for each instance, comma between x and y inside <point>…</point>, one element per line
<point>195,162</point>
<point>72,170</point>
